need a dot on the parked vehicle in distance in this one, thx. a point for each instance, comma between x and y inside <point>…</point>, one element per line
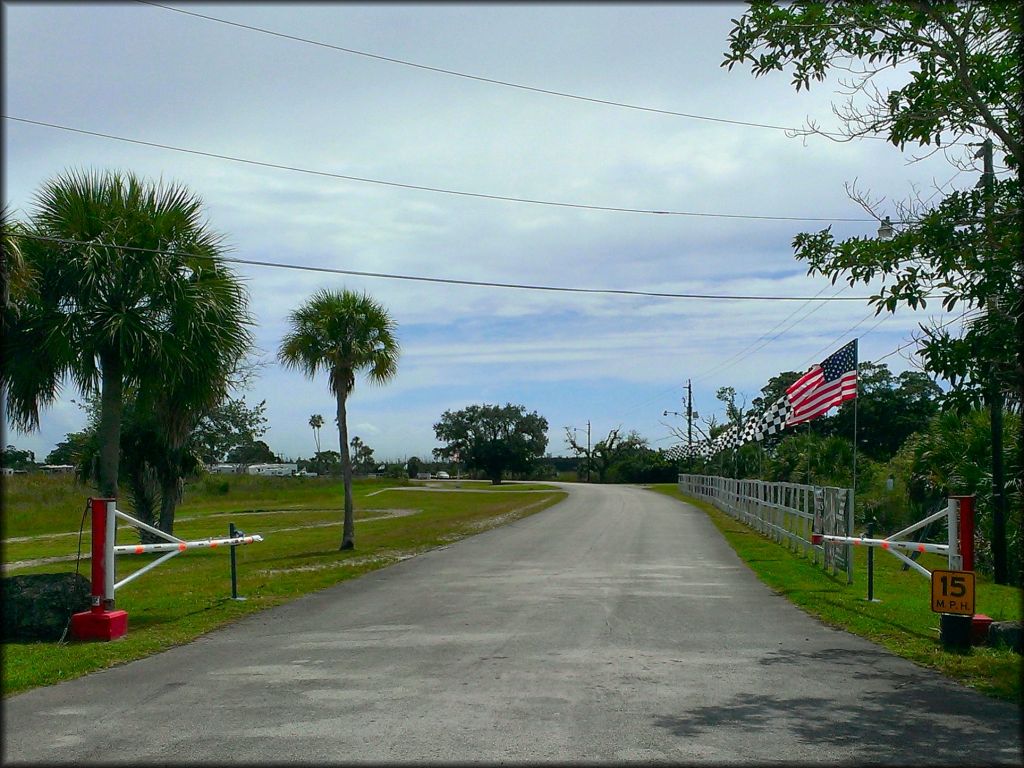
<point>280,470</point>
<point>443,476</point>
<point>304,473</point>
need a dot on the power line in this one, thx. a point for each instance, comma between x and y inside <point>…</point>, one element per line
<point>423,188</point>
<point>753,348</point>
<point>719,366</point>
<point>914,341</point>
<point>442,280</point>
<point>816,355</point>
<point>493,81</point>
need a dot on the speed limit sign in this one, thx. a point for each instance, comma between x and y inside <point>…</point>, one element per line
<point>953,592</point>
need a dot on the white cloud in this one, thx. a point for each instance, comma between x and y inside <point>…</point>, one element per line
<point>159,76</point>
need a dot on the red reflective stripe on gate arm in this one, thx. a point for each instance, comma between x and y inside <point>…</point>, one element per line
<point>139,550</point>
<point>885,545</point>
<point>181,547</point>
<point>213,543</point>
<point>920,547</point>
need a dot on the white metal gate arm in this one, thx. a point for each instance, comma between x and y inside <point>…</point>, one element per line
<point>181,546</point>
<point>913,564</point>
<point>913,546</point>
<point>944,512</point>
<point>145,568</point>
<point>145,526</point>
<point>174,546</point>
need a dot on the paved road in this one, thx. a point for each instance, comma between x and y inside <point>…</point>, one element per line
<point>616,626</point>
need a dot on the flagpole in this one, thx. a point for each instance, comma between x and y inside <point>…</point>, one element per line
<point>856,383</point>
<point>853,485</point>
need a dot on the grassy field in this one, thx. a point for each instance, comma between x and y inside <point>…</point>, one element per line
<point>300,519</point>
<point>901,621</point>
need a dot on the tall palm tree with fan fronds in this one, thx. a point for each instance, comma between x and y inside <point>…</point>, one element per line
<point>342,333</point>
<point>130,295</point>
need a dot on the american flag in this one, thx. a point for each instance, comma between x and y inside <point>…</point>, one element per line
<point>831,383</point>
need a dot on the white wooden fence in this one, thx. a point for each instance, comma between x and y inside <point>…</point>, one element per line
<point>785,513</point>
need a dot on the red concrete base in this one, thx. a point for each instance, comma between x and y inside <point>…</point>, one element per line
<point>979,628</point>
<point>108,625</point>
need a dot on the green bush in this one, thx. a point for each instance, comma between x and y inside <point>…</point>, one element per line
<point>216,486</point>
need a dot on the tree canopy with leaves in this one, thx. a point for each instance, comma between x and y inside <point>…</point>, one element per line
<point>492,438</point>
<point>962,84</point>
<point>231,425</point>
<point>129,298</point>
<point>961,90</point>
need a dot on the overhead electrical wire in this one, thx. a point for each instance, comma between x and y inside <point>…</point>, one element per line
<point>423,188</point>
<point>959,317</point>
<point>442,280</point>
<point>754,347</point>
<point>494,81</point>
<point>719,366</point>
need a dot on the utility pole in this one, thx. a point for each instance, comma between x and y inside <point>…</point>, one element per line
<point>588,450</point>
<point>995,399</point>
<point>689,417</point>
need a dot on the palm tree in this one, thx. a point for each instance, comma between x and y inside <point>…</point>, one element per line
<point>342,333</point>
<point>316,421</point>
<point>15,275</point>
<point>131,295</point>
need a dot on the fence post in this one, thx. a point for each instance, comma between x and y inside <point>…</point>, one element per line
<point>871,562</point>
<point>850,513</point>
<point>234,569</point>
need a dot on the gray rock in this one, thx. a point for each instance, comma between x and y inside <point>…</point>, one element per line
<point>1006,633</point>
<point>38,606</point>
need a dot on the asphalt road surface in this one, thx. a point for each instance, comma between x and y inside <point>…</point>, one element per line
<point>616,626</point>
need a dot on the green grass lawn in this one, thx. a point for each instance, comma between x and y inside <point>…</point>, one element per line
<point>901,621</point>
<point>300,519</point>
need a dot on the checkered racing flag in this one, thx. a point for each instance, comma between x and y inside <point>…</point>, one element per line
<point>749,430</point>
<point>774,419</point>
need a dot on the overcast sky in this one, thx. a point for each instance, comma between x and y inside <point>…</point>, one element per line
<point>151,74</point>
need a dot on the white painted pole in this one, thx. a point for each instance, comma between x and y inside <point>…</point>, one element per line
<point>110,564</point>
<point>953,510</point>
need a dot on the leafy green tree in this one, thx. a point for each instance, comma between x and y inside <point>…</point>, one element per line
<point>113,318</point>
<point>809,458</point>
<point>362,456</point>
<point>342,333</point>
<point>492,438</point>
<point>231,424</point>
<point>961,61</point>
<point>414,466</point>
<point>69,450</point>
<point>641,464</point>
<point>889,410</point>
<point>962,85</point>
<point>14,459</point>
<point>257,452</point>
<point>326,463</point>
<point>613,449</point>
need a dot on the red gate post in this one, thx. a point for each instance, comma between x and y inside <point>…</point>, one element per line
<point>979,622</point>
<point>101,621</point>
<point>966,532</point>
